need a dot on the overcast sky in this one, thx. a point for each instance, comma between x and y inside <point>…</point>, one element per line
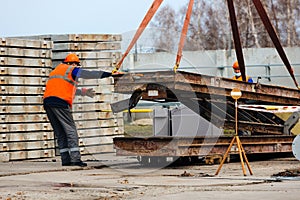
<point>35,17</point>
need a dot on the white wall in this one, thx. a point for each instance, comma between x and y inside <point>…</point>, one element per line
<point>264,62</point>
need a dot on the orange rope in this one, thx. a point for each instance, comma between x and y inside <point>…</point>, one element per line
<point>152,10</point>
<point>183,34</point>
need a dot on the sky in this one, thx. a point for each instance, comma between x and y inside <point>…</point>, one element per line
<point>39,17</point>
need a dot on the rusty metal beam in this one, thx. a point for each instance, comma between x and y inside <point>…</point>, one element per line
<point>199,146</point>
<point>214,87</point>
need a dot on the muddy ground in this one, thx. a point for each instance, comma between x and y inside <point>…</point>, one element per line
<point>123,178</point>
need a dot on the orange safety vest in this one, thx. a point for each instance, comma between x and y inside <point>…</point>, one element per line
<point>240,78</point>
<point>61,83</point>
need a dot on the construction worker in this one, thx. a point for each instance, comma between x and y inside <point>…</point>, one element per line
<point>238,75</point>
<point>58,98</point>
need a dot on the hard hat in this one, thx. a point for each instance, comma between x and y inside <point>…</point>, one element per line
<point>72,58</point>
<point>235,65</point>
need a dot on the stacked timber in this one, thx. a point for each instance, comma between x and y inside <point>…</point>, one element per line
<point>97,125</point>
<point>24,130</point>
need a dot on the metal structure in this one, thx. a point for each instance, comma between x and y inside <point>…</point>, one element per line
<point>209,96</point>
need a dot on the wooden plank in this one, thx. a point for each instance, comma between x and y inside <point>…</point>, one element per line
<point>5,100</point>
<point>26,145</point>
<point>7,128</point>
<point>28,53</point>
<point>25,43</point>
<point>29,62</point>
<point>90,55</point>
<point>86,46</point>
<point>9,109</point>
<point>28,136</point>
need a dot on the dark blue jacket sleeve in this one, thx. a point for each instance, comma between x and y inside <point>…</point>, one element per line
<point>87,74</point>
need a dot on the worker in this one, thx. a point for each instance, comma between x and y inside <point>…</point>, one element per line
<point>238,75</point>
<point>58,98</point>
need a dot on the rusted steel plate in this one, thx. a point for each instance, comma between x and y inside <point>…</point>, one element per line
<point>86,46</point>
<point>28,136</point>
<point>199,146</point>
<point>11,100</point>
<point>28,53</point>
<point>102,98</point>
<point>20,80</point>
<point>207,85</point>
<point>105,65</point>
<point>99,123</point>
<point>78,37</point>
<point>91,107</point>
<point>10,128</point>
<point>10,70</point>
<point>100,131</point>
<point>25,43</point>
<point>9,109</point>
<point>29,62</point>
<point>96,149</point>
<point>59,56</point>
<point>96,115</point>
<point>22,118</point>
<point>26,145</point>
<point>22,155</point>
<point>27,90</point>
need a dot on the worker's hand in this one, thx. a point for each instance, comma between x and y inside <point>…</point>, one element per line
<point>88,92</point>
<point>116,72</point>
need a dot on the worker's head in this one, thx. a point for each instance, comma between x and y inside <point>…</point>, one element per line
<point>72,58</point>
<point>236,68</point>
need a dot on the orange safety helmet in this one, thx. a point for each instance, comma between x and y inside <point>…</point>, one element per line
<point>72,58</point>
<point>235,65</point>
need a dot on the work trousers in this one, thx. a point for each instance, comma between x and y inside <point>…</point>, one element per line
<point>64,128</point>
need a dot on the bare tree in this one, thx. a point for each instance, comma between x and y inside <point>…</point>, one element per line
<point>210,27</point>
<point>167,29</point>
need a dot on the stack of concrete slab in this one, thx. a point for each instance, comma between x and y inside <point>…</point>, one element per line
<point>97,125</point>
<point>24,130</point>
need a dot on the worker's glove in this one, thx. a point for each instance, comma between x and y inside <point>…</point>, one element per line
<point>88,92</point>
<point>116,72</point>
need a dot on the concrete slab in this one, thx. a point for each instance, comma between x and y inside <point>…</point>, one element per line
<point>114,177</point>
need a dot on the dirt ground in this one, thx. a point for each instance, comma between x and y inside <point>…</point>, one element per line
<point>123,178</point>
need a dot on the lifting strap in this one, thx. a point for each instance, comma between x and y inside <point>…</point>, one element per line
<point>183,34</point>
<point>152,10</point>
<point>266,21</point>
<point>236,38</point>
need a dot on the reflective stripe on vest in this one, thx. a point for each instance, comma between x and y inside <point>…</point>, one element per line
<point>65,77</point>
<point>61,84</point>
<point>240,78</point>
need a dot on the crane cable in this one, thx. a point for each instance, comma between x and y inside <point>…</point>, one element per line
<point>152,10</point>
<point>266,21</point>
<point>183,34</point>
<point>236,38</point>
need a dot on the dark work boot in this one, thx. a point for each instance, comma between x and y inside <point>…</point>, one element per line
<point>79,163</point>
<point>65,159</point>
